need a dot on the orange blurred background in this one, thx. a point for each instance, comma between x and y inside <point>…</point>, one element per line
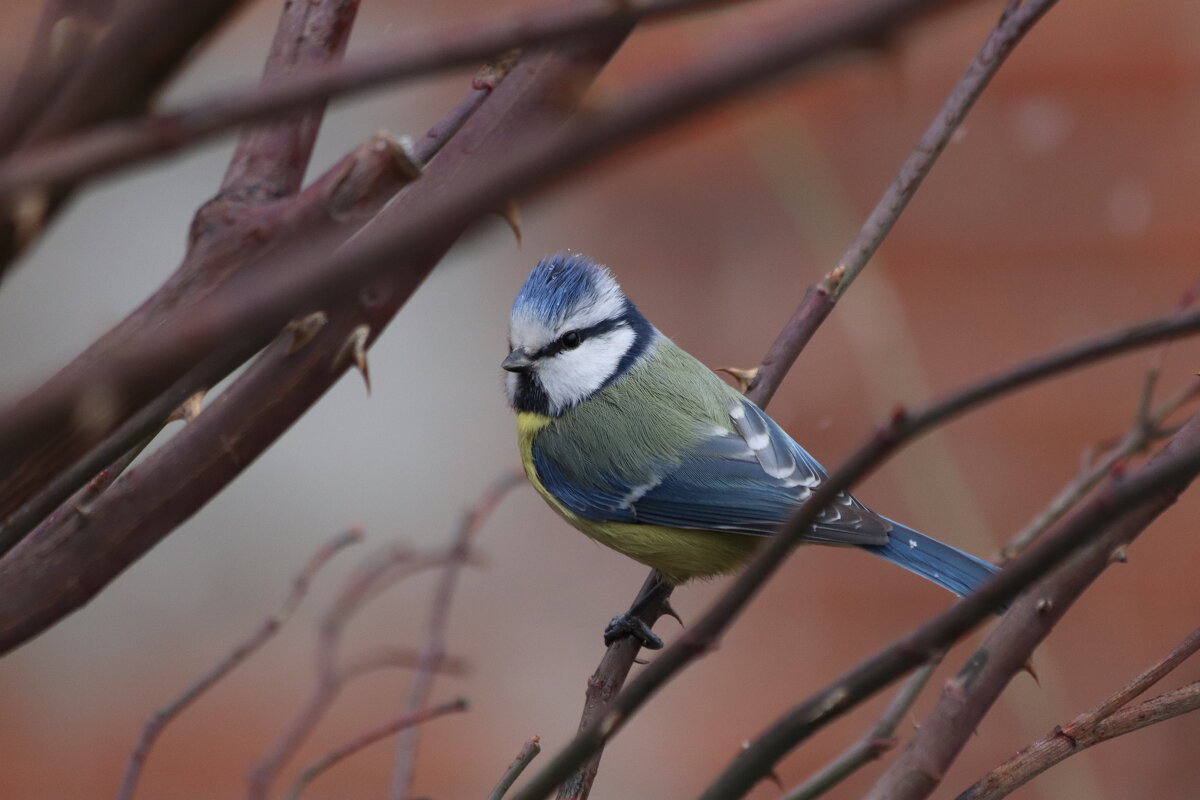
<point>1064,208</point>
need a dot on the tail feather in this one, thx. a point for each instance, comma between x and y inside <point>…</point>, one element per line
<point>946,566</point>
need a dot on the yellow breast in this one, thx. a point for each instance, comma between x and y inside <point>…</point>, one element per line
<point>680,554</point>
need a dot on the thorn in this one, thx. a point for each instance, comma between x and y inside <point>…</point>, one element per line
<point>355,349</point>
<point>743,377</point>
<point>511,214</point>
<point>1119,555</point>
<point>29,215</point>
<point>1028,667</point>
<point>493,72</point>
<point>833,279</point>
<point>189,409</point>
<point>1044,605</point>
<point>669,610</point>
<point>303,330</point>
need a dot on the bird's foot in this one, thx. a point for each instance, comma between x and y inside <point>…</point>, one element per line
<point>627,624</point>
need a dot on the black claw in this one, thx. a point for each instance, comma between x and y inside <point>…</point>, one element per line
<point>669,610</point>
<point>626,624</point>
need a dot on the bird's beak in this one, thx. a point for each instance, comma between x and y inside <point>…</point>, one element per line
<point>518,361</point>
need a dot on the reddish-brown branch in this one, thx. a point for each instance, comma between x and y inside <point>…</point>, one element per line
<point>269,627</point>
<point>231,229</point>
<point>252,306</point>
<point>270,160</point>
<point>269,396</point>
<point>462,44</point>
<point>433,652</point>
<point>1110,718</point>
<point>115,78</point>
<point>65,31</point>
<point>1008,647</point>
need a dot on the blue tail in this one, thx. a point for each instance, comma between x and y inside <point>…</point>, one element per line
<point>946,566</point>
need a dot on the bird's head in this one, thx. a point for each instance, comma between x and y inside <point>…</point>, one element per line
<point>572,332</point>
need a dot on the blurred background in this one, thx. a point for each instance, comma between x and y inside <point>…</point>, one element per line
<point>1065,207</point>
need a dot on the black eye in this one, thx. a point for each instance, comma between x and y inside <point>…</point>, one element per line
<point>571,340</point>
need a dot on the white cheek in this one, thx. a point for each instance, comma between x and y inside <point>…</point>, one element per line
<point>573,375</point>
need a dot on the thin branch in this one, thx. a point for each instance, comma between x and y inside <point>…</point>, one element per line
<point>378,572</point>
<point>1119,512</point>
<point>406,722</point>
<point>1007,648</point>
<point>1145,429</point>
<point>269,627</point>
<point>874,743</point>
<point>529,752</point>
<point>1094,726</point>
<point>457,45</point>
<point>919,646</point>
<point>1015,22</point>
<point>433,653</point>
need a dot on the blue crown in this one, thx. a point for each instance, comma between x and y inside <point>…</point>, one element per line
<point>558,284</point>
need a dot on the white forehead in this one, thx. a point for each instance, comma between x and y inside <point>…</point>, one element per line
<point>536,324</point>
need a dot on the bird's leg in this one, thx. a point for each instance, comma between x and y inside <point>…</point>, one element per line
<point>655,591</point>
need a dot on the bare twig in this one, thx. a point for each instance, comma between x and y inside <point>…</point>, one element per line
<point>1110,718</point>
<point>1015,22</point>
<point>529,752</point>
<point>406,722</point>
<point>461,44</point>
<point>874,743</point>
<point>919,646</point>
<point>377,573</point>
<point>1145,429</point>
<point>433,653</point>
<point>269,627</point>
<point>1008,647</point>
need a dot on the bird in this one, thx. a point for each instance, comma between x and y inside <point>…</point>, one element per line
<point>637,444</point>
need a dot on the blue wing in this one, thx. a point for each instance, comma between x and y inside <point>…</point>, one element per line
<point>746,480</point>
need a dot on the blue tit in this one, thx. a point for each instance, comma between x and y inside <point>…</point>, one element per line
<point>640,446</point>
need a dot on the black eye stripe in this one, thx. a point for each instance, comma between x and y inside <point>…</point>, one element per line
<point>557,346</point>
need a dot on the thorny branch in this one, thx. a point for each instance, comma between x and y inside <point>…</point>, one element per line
<point>269,627</point>
<point>1111,718</point>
